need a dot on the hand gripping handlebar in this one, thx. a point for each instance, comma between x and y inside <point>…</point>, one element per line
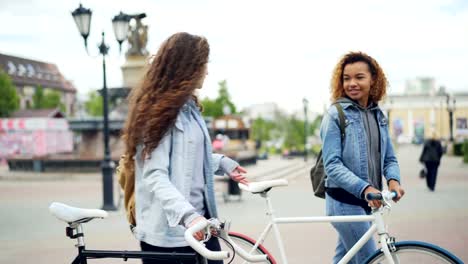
<point>199,247</point>
<point>384,195</point>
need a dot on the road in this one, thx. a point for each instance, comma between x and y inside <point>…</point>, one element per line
<point>29,234</point>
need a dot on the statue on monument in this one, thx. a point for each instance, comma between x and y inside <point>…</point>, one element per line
<point>137,55</point>
<point>137,37</point>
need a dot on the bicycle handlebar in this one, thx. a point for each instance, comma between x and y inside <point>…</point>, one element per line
<point>199,247</point>
<point>381,196</point>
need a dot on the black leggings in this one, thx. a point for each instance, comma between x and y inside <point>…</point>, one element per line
<point>431,177</point>
<point>212,244</point>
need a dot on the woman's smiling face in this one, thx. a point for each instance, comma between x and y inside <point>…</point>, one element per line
<point>357,82</point>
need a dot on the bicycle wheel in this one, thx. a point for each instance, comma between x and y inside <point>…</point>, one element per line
<point>247,244</point>
<point>416,252</point>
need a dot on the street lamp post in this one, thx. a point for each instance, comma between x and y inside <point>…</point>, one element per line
<point>305,102</point>
<point>82,17</point>
<point>450,109</point>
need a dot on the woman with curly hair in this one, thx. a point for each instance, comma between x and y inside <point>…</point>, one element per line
<point>169,149</point>
<point>355,165</point>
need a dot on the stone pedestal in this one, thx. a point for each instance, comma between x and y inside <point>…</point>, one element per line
<point>133,70</point>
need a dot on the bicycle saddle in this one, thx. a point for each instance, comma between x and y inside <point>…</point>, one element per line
<point>71,214</point>
<point>262,186</point>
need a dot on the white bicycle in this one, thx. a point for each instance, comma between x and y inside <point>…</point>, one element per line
<point>390,251</point>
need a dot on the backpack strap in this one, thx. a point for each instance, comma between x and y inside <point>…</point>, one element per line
<point>342,118</point>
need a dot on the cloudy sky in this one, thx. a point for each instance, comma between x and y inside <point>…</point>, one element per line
<point>268,51</point>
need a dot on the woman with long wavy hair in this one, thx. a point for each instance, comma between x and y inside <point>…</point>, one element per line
<point>169,149</point>
<point>355,164</point>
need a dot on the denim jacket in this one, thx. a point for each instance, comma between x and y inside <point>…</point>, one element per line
<point>163,183</point>
<point>346,163</point>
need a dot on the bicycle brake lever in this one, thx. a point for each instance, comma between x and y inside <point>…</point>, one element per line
<point>387,196</point>
<point>207,234</point>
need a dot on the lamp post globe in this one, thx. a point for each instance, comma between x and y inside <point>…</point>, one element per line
<point>120,24</point>
<point>82,17</point>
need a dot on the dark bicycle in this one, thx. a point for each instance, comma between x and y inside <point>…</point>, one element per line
<point>75,217</point>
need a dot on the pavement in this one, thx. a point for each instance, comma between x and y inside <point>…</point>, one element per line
<point>30,234</point>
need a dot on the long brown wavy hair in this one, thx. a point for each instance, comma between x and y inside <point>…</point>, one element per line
<point>173,75</point>
<point>378,89</point>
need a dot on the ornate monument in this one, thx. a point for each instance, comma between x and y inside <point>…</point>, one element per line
<point>136,55</point>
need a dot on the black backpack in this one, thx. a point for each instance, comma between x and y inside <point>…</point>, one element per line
<point>317,173</point>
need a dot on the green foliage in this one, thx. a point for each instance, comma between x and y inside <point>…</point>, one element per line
<point>47,100</point>
<point>285,129</point>
<point>294,134</point>
<point>94,104</point>
<point>224,98</point>
<point>211,108</point>
<point>52,100</point>
<point>38,98</point>
<point>261,129</point>
<point>214,108</point>
<point>9,99</point>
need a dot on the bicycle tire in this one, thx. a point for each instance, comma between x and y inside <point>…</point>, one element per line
<point>246,243</point>
<point>416,252</point>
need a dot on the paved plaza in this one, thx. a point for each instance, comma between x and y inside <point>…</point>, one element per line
<point>29,234</point>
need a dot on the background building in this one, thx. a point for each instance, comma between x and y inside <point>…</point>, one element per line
<point>27,75</point>
<point>423,108</point>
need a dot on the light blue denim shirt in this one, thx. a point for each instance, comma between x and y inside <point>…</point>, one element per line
<point>346,165</point>
<point>163,182</point>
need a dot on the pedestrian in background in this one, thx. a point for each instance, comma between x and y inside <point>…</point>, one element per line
<point>355,167</point>
<point>218,143</point>
<point>430,156</point>
<point>169,149</point>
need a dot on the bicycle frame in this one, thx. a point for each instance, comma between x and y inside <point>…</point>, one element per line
<point>85,254</point>
<point>378,225</point>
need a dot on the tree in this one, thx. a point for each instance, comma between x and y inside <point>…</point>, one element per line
<point>211,108</point>
<point>9,99</point>
<point>224,98</point>
<point>261,129</point>
<point>52,100</point>
<point>215,108</point>
<point>47,100</point>
<point>38,98</point>
<point>94,104</point>
<point>294,134</point>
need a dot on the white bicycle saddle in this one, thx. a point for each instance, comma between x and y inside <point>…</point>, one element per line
<point>261,186</point>
<point>71,214</point>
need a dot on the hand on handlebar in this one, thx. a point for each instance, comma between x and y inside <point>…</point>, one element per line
<point>200,235</point>
<point>394,185</point>
<point>372,203</point>
<point>196,231</point>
